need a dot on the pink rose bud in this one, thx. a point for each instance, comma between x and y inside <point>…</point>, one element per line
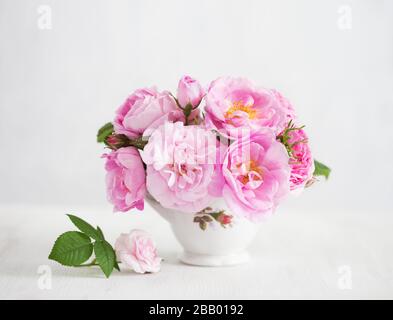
<point>190,91</point>
<point>117,141</point>
<point>112,140</point>
<point>137,251</point>
<point>225,219</point>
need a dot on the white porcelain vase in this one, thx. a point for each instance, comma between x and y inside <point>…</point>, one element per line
<point>211,237</point>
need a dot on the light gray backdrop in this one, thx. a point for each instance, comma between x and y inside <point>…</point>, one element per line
<point>61,79</point>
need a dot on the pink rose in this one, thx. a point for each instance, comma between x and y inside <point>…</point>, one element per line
<point>255,175</point>
<point>190,91</point>
<point>301,161</point>
<point>224,219</point>
<point>285,105</point>
<point>180,165</point>
<point>233,104</point>
<point>146,109</point>
<point>137,251</point>
<point>125,179</point>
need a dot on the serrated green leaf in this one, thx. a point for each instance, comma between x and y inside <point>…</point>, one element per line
<point>321,169</point>
<point>116,266</point>
<point>71,248</point>
<point>101,234</point>
<point>105,131</point>
<point>105,256</point>
<point>86,228</point>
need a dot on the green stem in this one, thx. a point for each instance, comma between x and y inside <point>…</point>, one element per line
<point>87,265</point>
<point>187,112</point>
<point>138,143</point>
<point>91,264</point>
<point>177,101</point>
<point>215,215</point>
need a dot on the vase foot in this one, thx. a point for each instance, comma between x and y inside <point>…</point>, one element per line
<point>213,260</point>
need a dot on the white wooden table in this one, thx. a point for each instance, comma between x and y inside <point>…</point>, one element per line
<point>296,255</point>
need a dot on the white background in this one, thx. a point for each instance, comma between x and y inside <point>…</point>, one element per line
<point>58,86</point>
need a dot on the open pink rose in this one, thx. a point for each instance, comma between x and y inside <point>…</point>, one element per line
<point>125,179</point>
<point>286,105</point>
<point>301,161</point>
<point>190,91</point>
<point>180,165</point>
<point>255,175</point>
<point>137,251</point>
<point>146,109</point>
<point>236,103</point>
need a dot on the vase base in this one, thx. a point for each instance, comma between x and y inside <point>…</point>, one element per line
<point>213,260</point>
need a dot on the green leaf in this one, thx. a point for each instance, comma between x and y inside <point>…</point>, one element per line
<point>71,248</point>
<point>105,256</point>
<point>86,228</point>
<point>105,131</point>
<point>321,169</point>
<point>116,266</point>
<point>101,234</point>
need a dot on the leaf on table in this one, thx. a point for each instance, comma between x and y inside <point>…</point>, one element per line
<point>116,266</point>
<point>105,256</point>
<point>86,228</point>
<point>71,248</point>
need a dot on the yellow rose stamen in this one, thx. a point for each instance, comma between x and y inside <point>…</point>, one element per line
<point>240,106</point>
<point>251,167</point>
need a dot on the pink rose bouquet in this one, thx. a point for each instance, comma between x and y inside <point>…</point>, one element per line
<point>244,148</point>
<point>226,156</point>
